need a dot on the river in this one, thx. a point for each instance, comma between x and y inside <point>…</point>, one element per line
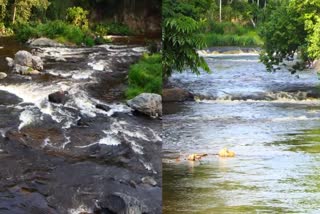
<point>76,157</point>
<point>270,120</point>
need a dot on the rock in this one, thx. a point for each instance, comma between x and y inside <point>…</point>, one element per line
<point>103,107</point>
<point>149,180</point>
<point>120,203</point>
<point>37,63</point>
<point>23,58</point>
<point>3,75</point>
<point>58,97</point>
<point>45,42</point>
<point>176,95</point>
<point>147,103</point>
<point>10,61</point>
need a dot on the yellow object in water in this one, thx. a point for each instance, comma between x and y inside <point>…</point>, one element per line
<point>194,157</point>
<point>226,153</point>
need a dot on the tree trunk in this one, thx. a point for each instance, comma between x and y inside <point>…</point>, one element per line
<point>220,11</point>
<point>14,13</point>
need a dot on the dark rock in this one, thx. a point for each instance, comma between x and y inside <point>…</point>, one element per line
<point>176,95</point>
<point>147,103</point>
<point>121,204</point>
<point>58,97</point>
<point>103,107</point>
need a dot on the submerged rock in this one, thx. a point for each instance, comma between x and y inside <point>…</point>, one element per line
<point>58,97</point>
<point>120,203</point>
<point>45,42</point>
<point>147,103</point>
<point>103,107</point>
<point>176,95</point>
<point>3,75</point>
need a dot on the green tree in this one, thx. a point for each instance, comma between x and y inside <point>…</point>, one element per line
<point>292,28</point>
<point>22,9</point>
<point>78,17</point>
<point>182,22</point>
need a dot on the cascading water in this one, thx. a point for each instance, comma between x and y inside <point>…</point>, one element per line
<point>67,158</point>
<point>270,120</point>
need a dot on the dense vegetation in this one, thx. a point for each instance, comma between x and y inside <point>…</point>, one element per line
<point>145,76</point>
<point>294,27</point>
<point>83,19</point>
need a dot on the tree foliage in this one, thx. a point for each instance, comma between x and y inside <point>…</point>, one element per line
<point>292,28</point>
<point>182,22</point>
<point>78,17</point>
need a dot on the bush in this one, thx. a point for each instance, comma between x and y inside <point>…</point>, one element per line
<point>78,17</point>
<point>118,29</point>
<point>145,76</point>
<point>57,30</point>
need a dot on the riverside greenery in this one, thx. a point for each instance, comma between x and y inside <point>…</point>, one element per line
<point>145,76</point>
<point>293,27</point>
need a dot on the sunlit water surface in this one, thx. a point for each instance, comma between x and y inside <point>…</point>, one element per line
<point>270,120</point>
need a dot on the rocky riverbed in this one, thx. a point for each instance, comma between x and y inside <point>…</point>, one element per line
<point>88,154</point>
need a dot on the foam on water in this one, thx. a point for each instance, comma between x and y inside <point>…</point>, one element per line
<point>79,210</point>
<point>27,117</point>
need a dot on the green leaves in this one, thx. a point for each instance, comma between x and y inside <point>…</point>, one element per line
<point>181,36</point>
<point>292,28</point>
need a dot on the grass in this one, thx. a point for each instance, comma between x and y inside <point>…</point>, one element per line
<point>231,34</point>
<point>145,76</point>
<point>57,30</point>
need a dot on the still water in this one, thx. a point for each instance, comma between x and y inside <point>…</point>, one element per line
<point>270,120</point>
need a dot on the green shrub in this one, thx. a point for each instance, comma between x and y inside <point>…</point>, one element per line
<point>145,76</point>
<point>78,17</point>
<point>57,30</point>
<point>118,29</point>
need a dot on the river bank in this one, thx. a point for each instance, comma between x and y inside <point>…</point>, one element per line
<point>76,157</point>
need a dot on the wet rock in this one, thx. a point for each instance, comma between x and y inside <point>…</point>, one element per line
<point>103,107</point>
<point>37,63</point>
<point>176,95</point>
<point>9,61</point>
<point>149,181</point>
<point>45,42</point>
<point>120,203</point>
<point>25,63</point>
<point>23,58</point>
<point>3,75</point>
<point>147,103</point>
<point>9,99</point>
<point>58,97</point>
<point>25,70</point>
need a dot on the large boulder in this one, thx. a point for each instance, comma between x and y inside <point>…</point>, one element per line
<point>45,42</point>
<point>176,95</point>
<point>23,58</point>
<point>25,63</point>
<point>147,103</point>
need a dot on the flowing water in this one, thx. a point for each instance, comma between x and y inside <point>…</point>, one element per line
<point>74,157</point>
<point>270,120</point>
